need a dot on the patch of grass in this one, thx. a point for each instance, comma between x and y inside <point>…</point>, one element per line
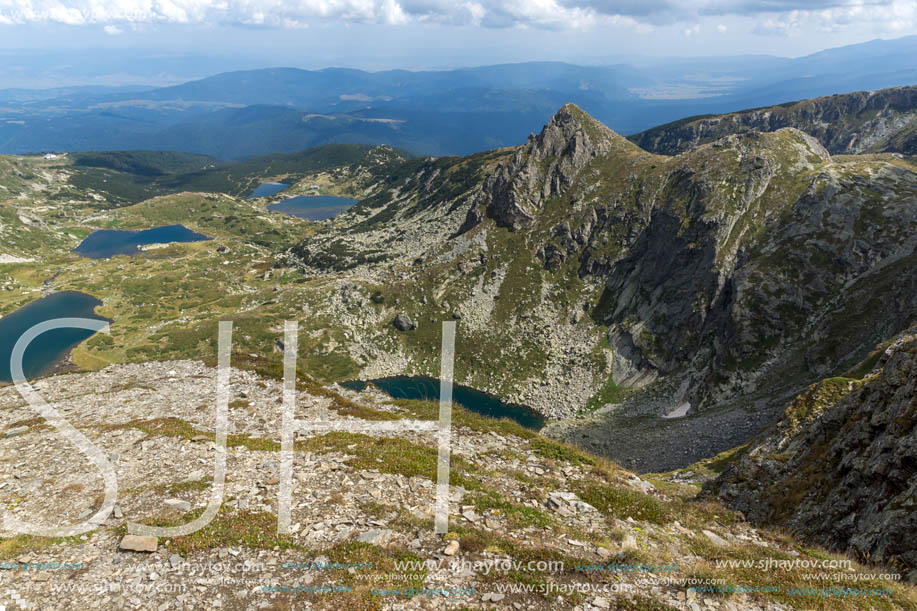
<point>12,547</point>
<point>609,393</point>
<point>814,553</point>
<point>33,423</point>
<point>519,515</point>
<point>252,529</point>
<point>622,503</point>
<point>543,483</point>
<point>902,597</point>
<point>343,405</point>
<point>383,563</point>
<point>555,450</point>
<point>175,427</point>
<point>427,410</point>
<point>174,488</point>
<point>641,603</point>
<point>817,398</point>
<point>718,463</point>
<point>862,370</point>
<point>710,467</point>
<point>392,455</point>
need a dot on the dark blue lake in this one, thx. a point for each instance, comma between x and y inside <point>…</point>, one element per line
<point>313,207</point>
<point>267,188</point>
<point>106,243</point>
<point>427,389</point>
<point>50,347</point>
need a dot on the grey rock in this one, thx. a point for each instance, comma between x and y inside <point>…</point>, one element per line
<point>403,322</point>
<point>715,538</point>
<point>178,504</point>
<point>376,536</point>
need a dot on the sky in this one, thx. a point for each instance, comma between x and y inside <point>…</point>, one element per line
<point>164,41</point>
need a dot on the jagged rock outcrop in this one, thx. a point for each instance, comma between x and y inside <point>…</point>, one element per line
<point>851,123</point>
<point>545,167</point>
<point>840,469</point>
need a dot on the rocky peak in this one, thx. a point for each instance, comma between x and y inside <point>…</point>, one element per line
<point>546,166</point>
<point>574,135</point>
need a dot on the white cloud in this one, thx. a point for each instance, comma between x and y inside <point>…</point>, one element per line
<point>778,27</point>
<point>892,16</point>
<point>783,17</point>
<point>113,30</point>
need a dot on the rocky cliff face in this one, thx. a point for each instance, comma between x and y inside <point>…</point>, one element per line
<point>840,468</point>
<point>719,278</point>
<point>849,124</point>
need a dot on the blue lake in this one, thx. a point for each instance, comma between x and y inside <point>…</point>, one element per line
<point>427,389</point>
<point>50,347</point>
<point>267,188</point>
<point>106,243</point>
<point>313,207</point>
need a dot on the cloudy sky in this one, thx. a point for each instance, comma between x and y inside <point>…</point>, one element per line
<point>414,34</point>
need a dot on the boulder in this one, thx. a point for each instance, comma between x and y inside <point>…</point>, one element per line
<point>139,543</point>
<point>403,322</point>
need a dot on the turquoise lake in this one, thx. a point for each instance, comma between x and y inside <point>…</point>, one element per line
<point>423,388</point>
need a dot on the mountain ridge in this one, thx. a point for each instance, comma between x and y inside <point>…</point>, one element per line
<point>854,123</point>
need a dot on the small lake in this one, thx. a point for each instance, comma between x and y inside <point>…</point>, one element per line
<point>50,347</point>
<point>313,207</point>
<point>408,387</point>
<point>267,188</point>
<point>106,243</point>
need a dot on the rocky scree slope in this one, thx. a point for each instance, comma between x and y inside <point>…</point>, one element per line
<point>730,275</point>
<point>362,498</point>
<point>840,468</point>
<point>846,124</point>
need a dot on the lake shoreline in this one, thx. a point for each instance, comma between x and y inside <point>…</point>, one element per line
<point>54,354</point>
<point>426,388</point>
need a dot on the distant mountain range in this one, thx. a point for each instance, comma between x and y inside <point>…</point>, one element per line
<point>239,114</point>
